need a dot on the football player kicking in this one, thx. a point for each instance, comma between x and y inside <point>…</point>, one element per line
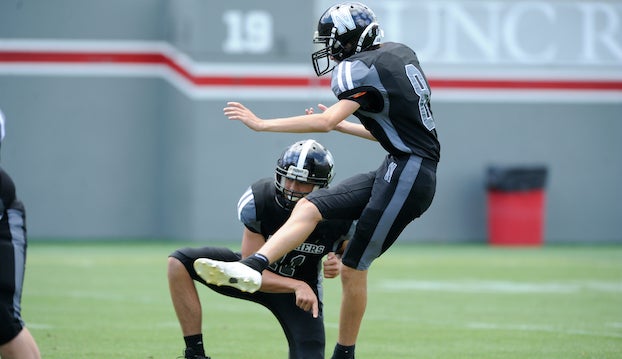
<point>384,86</point>
<point>291,287</point>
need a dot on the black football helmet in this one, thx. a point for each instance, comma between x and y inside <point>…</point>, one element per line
<point>344,30</point>
<point>305,161</point>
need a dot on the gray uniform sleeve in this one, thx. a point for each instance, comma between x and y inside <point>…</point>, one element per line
<point>247,213</point>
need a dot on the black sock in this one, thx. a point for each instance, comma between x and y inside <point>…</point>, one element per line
<point>257,261</point>
<point>343,352</point>
<point>195,342</point>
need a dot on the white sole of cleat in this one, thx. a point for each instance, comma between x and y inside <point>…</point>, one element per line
<point>232,274</point>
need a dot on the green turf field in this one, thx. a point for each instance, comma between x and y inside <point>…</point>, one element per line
<point>110,300</point>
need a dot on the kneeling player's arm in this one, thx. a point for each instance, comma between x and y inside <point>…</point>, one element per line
<point>270,282</point>
<point>274,283</point>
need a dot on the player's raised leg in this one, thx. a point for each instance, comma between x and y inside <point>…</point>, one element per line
<point>246,274</point>
<point>233,274</point>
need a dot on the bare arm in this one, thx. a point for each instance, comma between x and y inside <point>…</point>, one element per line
<point>314,122</point>
<point>355,129</point>
<point>270,282</point>
<point>350,128</point>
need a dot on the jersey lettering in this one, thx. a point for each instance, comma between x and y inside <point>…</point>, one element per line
<point>310,248</point>
<point>288,269</point>
<point>423,91</point>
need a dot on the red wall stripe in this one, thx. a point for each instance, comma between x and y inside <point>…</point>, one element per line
<point>155,58</point>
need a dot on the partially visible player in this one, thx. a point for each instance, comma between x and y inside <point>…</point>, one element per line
<point>384,86</point>
<point>291,288</point>
<point>16,342</point>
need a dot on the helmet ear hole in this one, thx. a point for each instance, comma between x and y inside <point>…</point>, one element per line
<point>371,35</point>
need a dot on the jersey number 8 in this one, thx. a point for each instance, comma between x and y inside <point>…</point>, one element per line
<point>421,88</point>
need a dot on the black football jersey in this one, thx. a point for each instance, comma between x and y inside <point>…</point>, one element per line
<point>260,213</point>
<point>7,201</point>
<point>394,96</point>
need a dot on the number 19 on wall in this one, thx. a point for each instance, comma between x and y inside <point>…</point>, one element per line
<point>247,32</point>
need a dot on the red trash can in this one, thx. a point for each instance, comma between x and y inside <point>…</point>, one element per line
<point>516,205</point>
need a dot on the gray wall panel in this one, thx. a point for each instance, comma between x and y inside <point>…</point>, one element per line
<point>81,153</point>
<point>82,19</point>
<point>579,143</point>
<point>134,157</point>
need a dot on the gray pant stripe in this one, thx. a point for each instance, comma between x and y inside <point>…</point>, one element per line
<point>16,225</point>
<point>405,184</point>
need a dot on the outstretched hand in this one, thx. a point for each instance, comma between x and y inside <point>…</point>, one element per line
<point>310,111</point>
<point>237,111</point>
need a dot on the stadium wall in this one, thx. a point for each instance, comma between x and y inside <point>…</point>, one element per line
<point>115,125</point>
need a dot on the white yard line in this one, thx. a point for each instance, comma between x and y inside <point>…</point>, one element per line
<point>479,286</point>
<point>540,328</point>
